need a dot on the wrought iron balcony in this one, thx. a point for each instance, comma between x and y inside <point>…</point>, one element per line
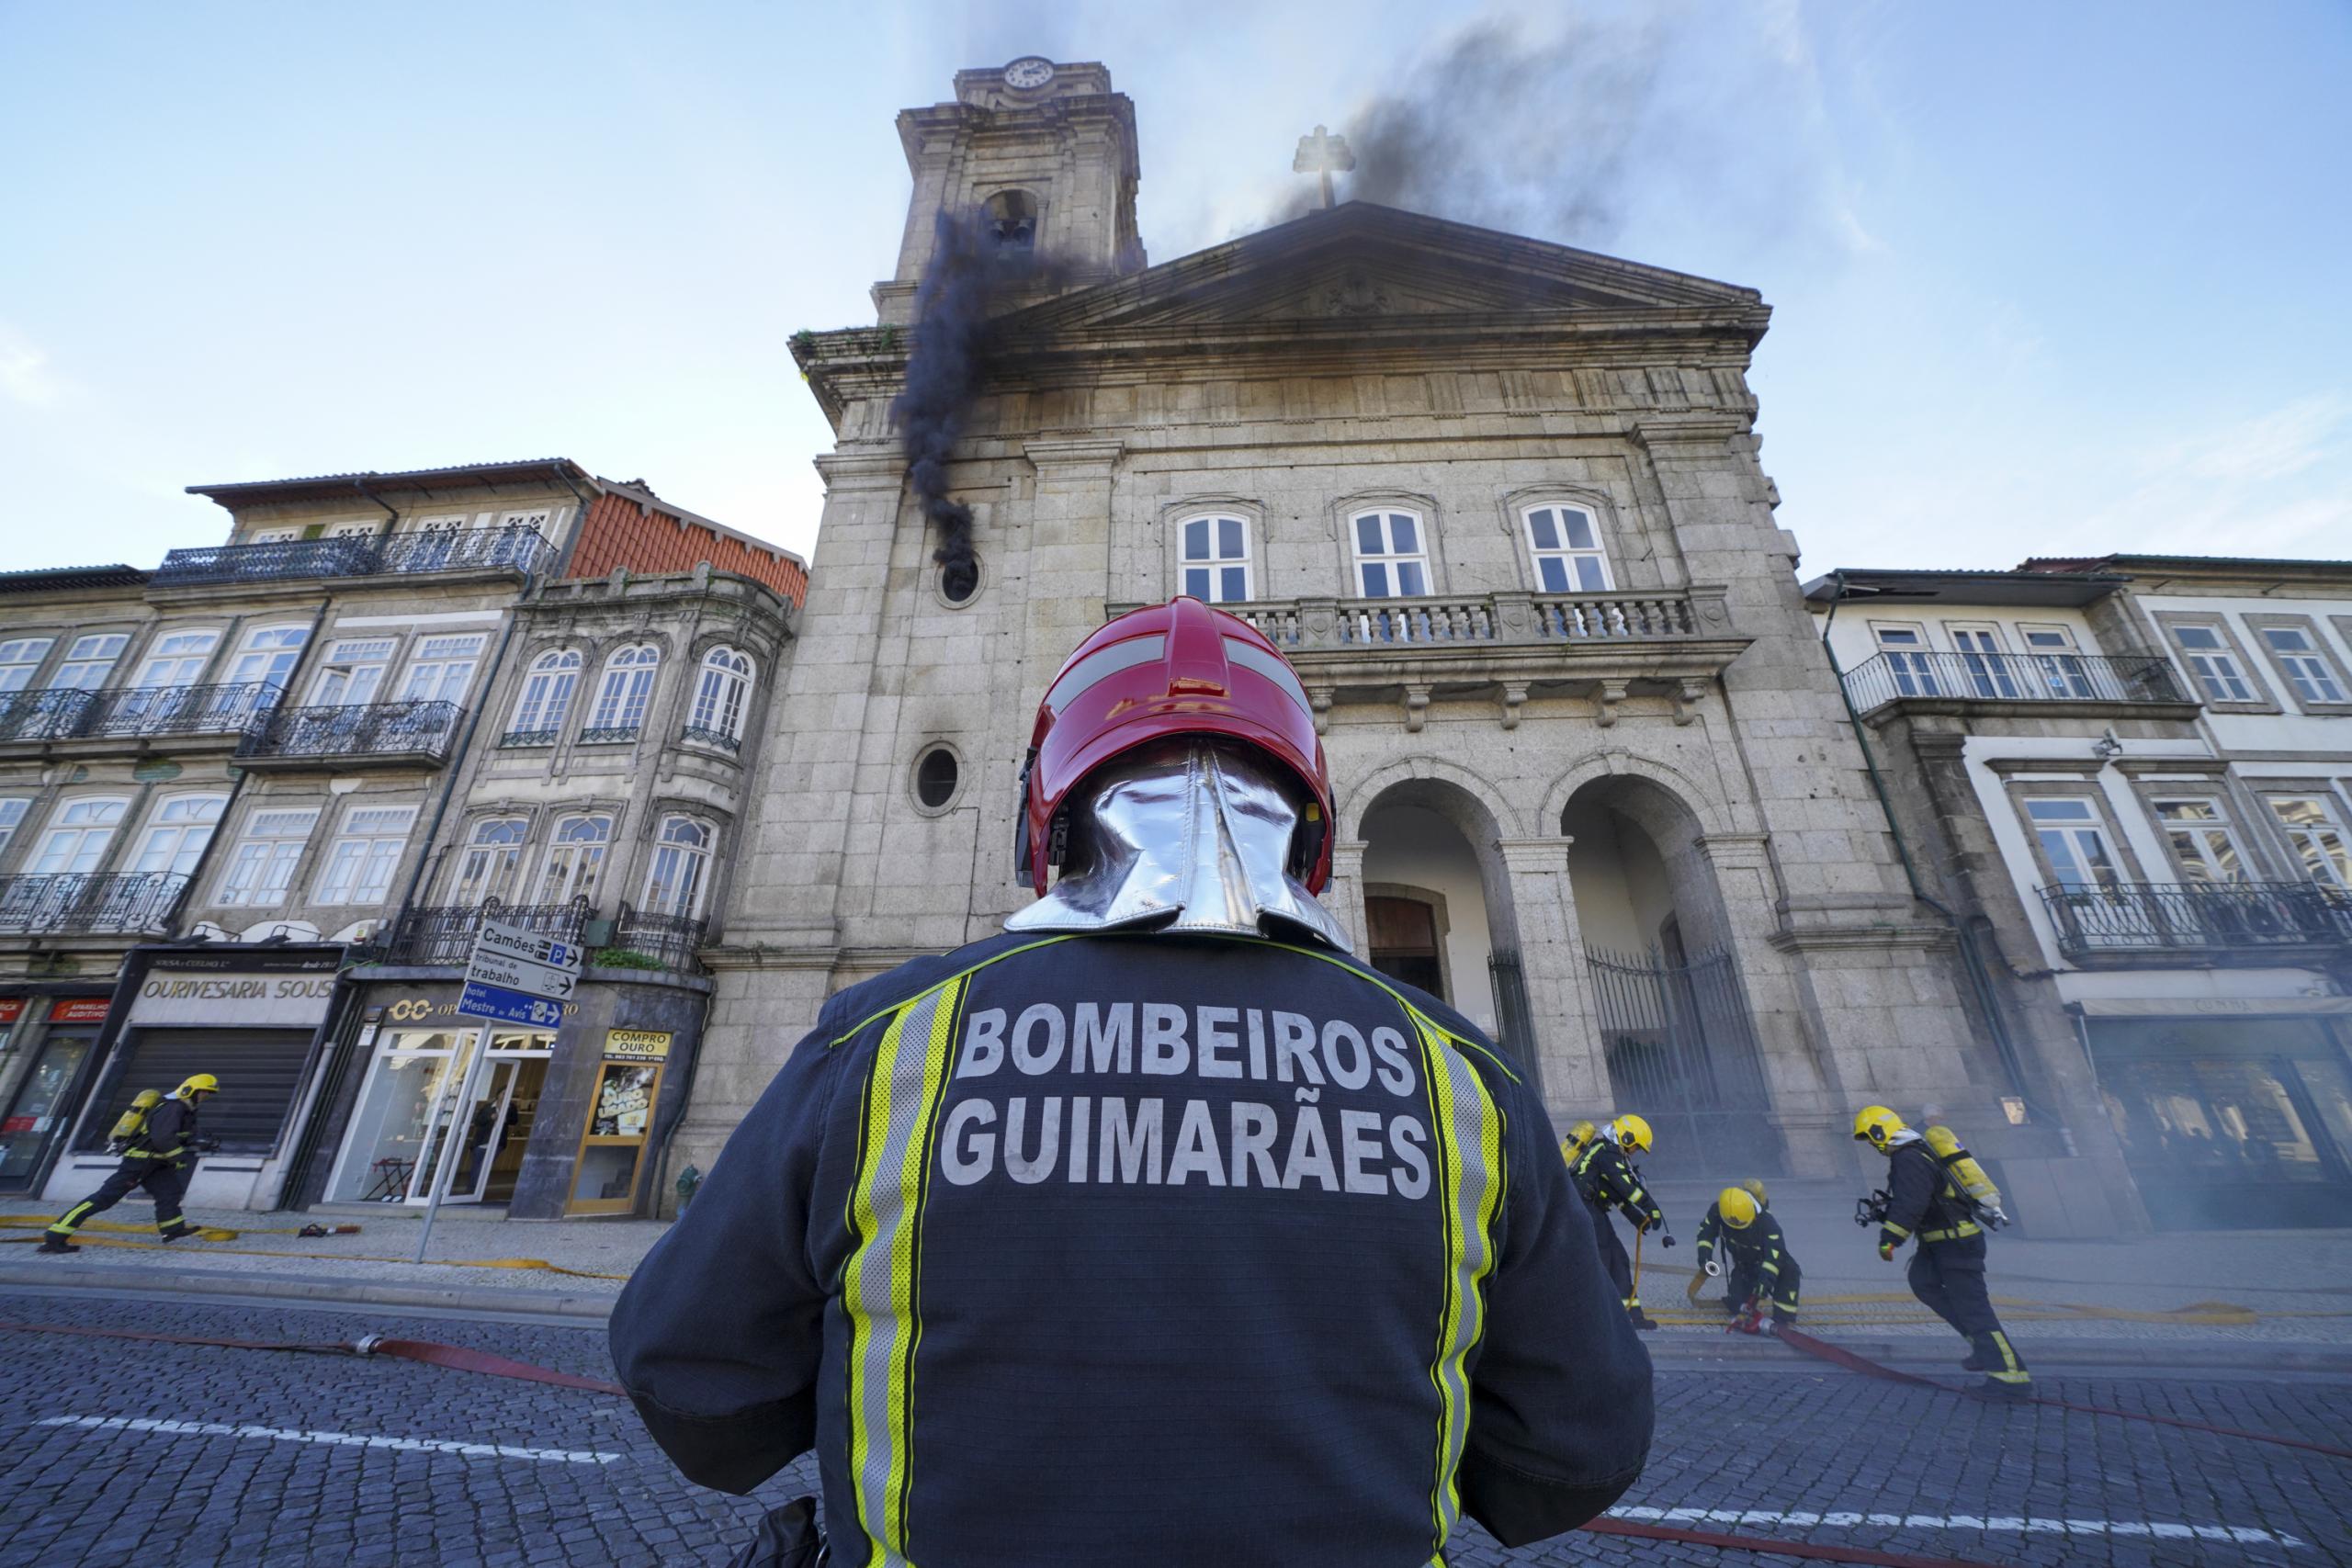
<point>79,904</point>
<point>520,550</point>
<point>134,712</point>
<point>701,736</point>
<point>415,733</point>
<point>442,936</point>
<point>2013,678</point>
<point>530,737</point>
<point>2126,918</point>
<point>608,735</point>
<point>52,713</point>
<point>670,941</point>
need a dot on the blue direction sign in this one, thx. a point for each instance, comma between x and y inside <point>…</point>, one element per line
<point>478,1000</point>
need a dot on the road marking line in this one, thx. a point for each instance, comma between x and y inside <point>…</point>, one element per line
<point>333,1439</point>
<point>2012,1524</point>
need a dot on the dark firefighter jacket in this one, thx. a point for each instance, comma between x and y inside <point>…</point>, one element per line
<point>170,1129</point>
<point>1758,1244</point>
<point>1607,1179</point>
<point>1921,1199</point>
<point>1145,1250</point>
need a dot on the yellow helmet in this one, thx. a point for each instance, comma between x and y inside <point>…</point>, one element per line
<point>1631,1132</point>
<point>198,1083</point>
<point>1875,1124</point>
<point>1755,1188</point>
<point>1737,1206</point>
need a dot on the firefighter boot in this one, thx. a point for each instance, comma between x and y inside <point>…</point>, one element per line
<point>1642,1320</point>
<point>1978,1360</point>
<point>178,1231</point>
<point>52,1242</point>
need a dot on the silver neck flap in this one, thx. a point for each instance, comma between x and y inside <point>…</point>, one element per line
<point>1186,829</point>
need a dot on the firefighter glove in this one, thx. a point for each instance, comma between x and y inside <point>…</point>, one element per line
<point>1886,1252</point>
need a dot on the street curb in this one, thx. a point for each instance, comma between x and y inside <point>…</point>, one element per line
<point>1930,1355</point>
<point>315,1290</point>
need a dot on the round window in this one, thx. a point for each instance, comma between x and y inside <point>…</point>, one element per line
<point>958,581</point>
<point>936,775</point>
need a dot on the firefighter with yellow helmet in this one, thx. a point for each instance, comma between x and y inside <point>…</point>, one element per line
<point>1740,1239</point>
<point>156,1149</point>
<point>1941,1199</point>
<point>1606,1178</point>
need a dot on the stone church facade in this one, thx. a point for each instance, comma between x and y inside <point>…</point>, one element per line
<point>1500,501</point>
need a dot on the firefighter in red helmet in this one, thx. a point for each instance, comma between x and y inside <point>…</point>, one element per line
<point>1159,1229</point>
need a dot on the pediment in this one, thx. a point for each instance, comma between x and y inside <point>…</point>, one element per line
<point>1366,264</point>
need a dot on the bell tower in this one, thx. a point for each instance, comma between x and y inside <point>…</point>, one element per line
<point>1044,152</point>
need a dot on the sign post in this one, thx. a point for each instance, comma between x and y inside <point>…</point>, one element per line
<point>514,975</point>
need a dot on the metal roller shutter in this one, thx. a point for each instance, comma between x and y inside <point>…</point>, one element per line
<point>259,1072</point>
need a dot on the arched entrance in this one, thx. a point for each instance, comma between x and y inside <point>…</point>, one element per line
<point>1437,906</point>
<point>1675,1034</point>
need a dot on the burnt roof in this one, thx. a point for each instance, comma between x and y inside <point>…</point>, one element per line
<point>54,579</point>
<point>328,486</point>
<point>2046,590</point>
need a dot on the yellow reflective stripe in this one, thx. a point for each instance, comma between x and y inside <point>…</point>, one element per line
<point>1469,1138</point>
<point>861,1024</point>
<point>1898,1232</point>
<point>71,1217</point>
<point>880,1282</point>
<point>1963,1228</point>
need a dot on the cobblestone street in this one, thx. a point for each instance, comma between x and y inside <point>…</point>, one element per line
<point>280,1458</point>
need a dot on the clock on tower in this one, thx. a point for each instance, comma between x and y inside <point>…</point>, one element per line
<point>1029,73</point>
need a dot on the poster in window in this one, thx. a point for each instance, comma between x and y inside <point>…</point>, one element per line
<point>624,1101</point>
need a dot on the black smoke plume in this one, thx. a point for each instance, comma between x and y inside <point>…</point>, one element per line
<point>976,263</point>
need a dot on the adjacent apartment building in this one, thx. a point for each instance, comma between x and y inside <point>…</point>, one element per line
<point>2130,777</point>
<point>253,800</point>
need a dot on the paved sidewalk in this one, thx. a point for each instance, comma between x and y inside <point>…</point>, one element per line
<point>2287,1288</point>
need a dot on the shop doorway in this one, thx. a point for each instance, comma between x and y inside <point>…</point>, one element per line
<point>408,1121</point>
<point>38,1110</point>
<point>612,1151</point>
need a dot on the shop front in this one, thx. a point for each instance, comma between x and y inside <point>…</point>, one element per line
<point>2231,1122</point>
<point>561,1122</point>
<point>252,1017</point>
<point>50,1041</point>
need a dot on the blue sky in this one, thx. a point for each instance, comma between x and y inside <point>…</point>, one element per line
<point>2047,280</point>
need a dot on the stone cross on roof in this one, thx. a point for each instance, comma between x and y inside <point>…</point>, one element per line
<point>1325,154</point>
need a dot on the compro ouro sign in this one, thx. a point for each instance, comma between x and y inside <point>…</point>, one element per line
<point>210,998</point>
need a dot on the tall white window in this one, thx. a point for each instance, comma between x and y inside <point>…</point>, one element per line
<point>262,868</point>
<point>1908,659</point>
<point>2075,842</point>
<point>722,695</point>
<point>19,657</point>
<point>1392,556</point>
<point>681,859</point>
<point>2199,831</point>
<point>1984,662</point>
<point>442,668</point>
<point>546,695</point>
<point>364,853</point>
<point>176,833</point>
<point>90,660</point>
<point>2318,839</point>
<point>2304,664</point>
<point>176,659</point>
<point>2215,665</point>
<point>1566,542</point>
<point>487,868</point>
<point>12,817</point>
<point>2056,660</point>
<point>78,834</point>
<point>1216,560</point>
<point>627,687</point>
<point>575,859</point>
<point>352,673</point>
<point>268,654</point>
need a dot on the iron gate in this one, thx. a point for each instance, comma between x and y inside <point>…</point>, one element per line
<point>1681,1051</point>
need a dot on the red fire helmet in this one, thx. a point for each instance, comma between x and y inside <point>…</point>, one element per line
<point>1174,669</point>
